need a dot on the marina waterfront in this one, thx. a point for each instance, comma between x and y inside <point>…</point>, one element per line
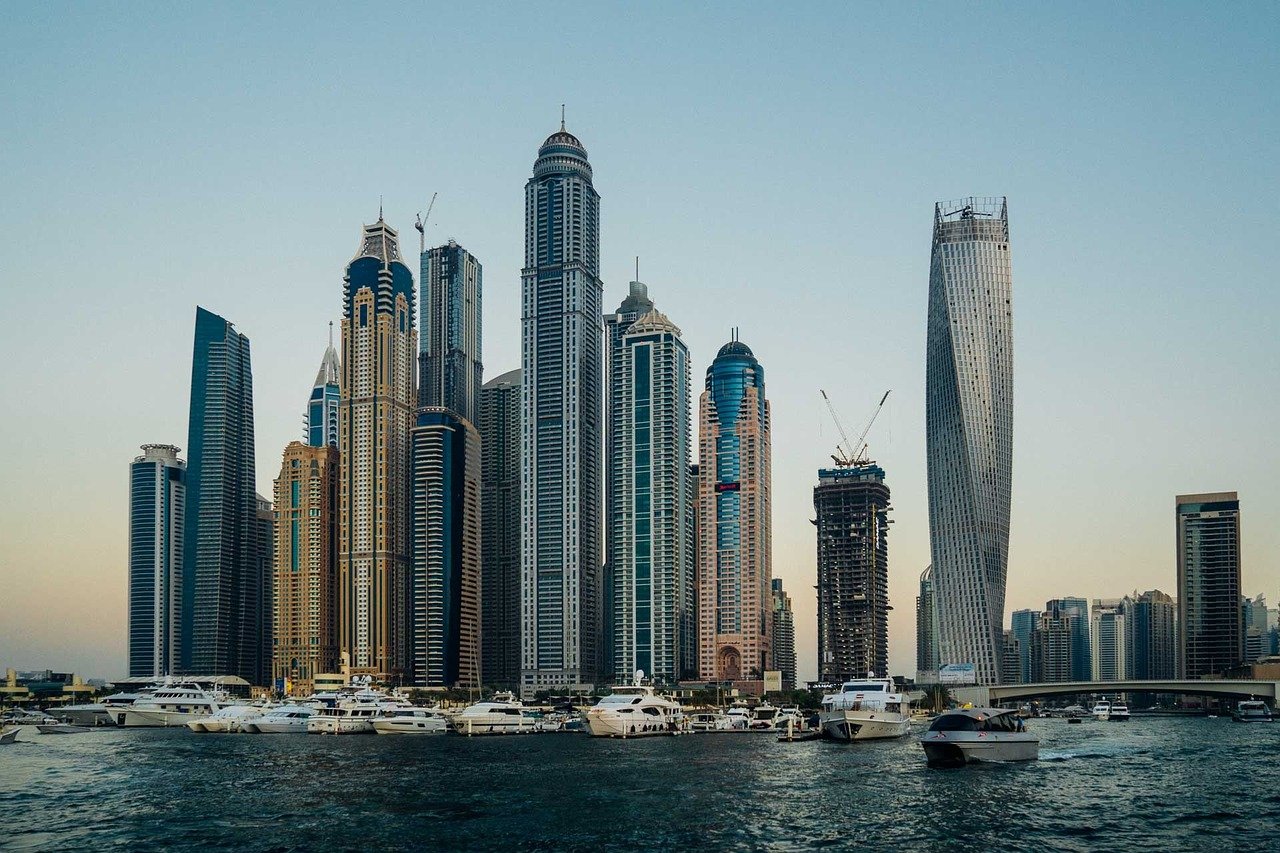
<point>1148,784</point>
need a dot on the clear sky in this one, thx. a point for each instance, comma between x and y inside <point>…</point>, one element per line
<point>774,168</point>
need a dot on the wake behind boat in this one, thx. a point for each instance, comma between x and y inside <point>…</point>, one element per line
<point>868,709</point>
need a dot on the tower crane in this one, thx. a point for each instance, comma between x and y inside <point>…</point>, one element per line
<point>421,224</point>
<point>852,454</point>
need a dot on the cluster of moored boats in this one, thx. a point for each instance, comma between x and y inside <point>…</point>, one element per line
<point>862,709</point>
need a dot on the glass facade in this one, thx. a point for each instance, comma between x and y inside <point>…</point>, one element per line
<point>969,428</point>
<point>157,495</point>
<point>1210,626</point>
<point>449,337</point>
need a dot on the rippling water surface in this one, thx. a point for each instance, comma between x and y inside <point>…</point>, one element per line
<point>1149,784</point>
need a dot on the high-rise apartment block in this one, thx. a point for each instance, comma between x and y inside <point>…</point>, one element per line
<point>734,527</point>
<point>969,427</point>
<point>306,564</point>
<point>445,587</point>
<point>1151,642</point>
<point>322,408</point>
<point>561,336</point>
<point>1077,610</point>
<point>450,367</point>
<point>1022,624</point>
<point>500,433</point>
<point>1108,637</point>
<point>784,636</point>
<point>650,525</point>
<point>926,630</point>
<point>1210,633</point>
<point>852,517</point>
<point>1051,645</point>
<point>379,349</point>
<point>157,519</point>
<point>224,601</point>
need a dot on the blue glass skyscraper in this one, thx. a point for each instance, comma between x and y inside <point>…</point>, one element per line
<point>222,585</point>
<point>157,506</point>
<point>322,408</point>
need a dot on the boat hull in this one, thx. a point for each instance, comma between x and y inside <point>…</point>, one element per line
<point>487,726</point>
<point>8,736</point>
<point>618,726</point>
<point>259,727</point>
<point>339,726</point>
<point>863,725</point>
<point>410,727</point>
<point>956,749</point>
<point>63,729</point>
<point>143,718</point>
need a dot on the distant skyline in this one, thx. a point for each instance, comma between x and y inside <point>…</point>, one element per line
<point>773,172</point>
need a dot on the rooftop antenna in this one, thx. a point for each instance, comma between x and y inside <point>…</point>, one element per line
<point>637,267</point>
<point>562,116</point>
<point>379,207</point>
<point>330,334</point>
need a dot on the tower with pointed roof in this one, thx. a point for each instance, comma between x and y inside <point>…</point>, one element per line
<point>322,408</point>
<point>375,415</point>
<point>561,335</point>
<point>735,518</point>
<point>650,592</point>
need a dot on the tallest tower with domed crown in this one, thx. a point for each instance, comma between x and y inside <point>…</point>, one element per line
<point>561,336</point>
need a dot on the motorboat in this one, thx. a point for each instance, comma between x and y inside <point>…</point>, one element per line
<point>865,709</point>
<point>282,719</point>
<point>970,735</point>
<point>1252,711</point>
<point>789,718</point>
<point>634,710</point>
<point>739,718</point>
<point>356,714</point>
<point>763,717</point>
<point>1075,712</point>
<point>8,736</point>
<point>231,718</point>
<point>24,717</point>
<point>174,705</point>
<point>501,715</point>
<point>1119,712</point>
<point>411,721</point>
<point>1102,711</point>
<point>710,721</point>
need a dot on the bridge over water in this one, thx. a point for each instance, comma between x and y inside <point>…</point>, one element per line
<point>1224,688</point>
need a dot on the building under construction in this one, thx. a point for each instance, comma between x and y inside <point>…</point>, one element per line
<point>852,506</point>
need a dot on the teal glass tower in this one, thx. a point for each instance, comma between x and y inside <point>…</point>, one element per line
<point>322,408</point>
<point>157,503</point>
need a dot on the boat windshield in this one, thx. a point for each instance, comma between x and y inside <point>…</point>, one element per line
<point>862,688</point>
<point>954,723</point>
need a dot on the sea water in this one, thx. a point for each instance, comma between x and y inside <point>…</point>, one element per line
<point>1146,784</point>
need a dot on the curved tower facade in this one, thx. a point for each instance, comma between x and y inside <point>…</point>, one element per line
<point>969,428</point>
<point>734,520</point>
<point>561,332</point>
<point>375,414</point>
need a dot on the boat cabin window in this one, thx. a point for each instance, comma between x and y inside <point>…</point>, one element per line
<point>1002,723</point>
<point>862,688</point>
<point>954,723</point>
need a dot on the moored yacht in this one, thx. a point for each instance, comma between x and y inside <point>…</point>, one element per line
<point>763,716</point>
<point>230,718</point>
<point>789,716</point>
<point>411,721</point>
<point>282,719</point>
<point>739,718</point>
<point>710,721</point>
<point>866,709</point>
<point>1252,711</point>
<point>355,715</point>
<point>503,714</point>
<point>176,705</point>
<point>978,734</point>
<point>1102,710</point>
<point>634,711</point>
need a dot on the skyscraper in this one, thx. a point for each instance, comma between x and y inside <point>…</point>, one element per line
<point>1210,634</point>
<point>635,304</point>
<point>926,629</point>
<point>500,530</point>
<point>1051,647</point>
<point>322,408</point>
<point>735,536</point>
<point>969,427</point>
<point>851,505</point>
<point>560,480</point>
<point>650,524</point>
<point>1256,630</point>
<point>784,635</point>
<point>1010,659</point>
<point>445,586</point>
<point>449,356</point>
<point>157,506</point>
<point>1023,624</point>
<point>379,346</point>
<point>1077,611</point>
<point>1151,644</point>
<point>1108,636</point>
<point>221,588</point>
<point>264,571</point>
<point>306,563</point>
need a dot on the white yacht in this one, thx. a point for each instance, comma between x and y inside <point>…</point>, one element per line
<point>282,719</point>
<point>763,717</point>
<point>176,705</point>
<point>1252,711</point>
<point>23,717</point>
<point>356,714</point>
<point>711,721</point>
<point>789,716</point>
<point>634,711</point>
<point>867,709</point>
<point>231,718</point>
<point>978,734</point>
<point>739,717</point>
<point>501,715</point>
<point>1115,712</point>
<point>411,721</point>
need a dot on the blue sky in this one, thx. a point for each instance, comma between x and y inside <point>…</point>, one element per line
<point>774,171</point>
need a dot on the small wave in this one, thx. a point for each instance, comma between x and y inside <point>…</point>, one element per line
<point>1206,816</point>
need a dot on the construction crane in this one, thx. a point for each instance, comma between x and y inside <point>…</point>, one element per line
<point>967,212</point>
<point>421,224</point>
<point>852,454</point>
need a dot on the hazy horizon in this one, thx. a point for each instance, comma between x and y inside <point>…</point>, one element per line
<point>775,173</point>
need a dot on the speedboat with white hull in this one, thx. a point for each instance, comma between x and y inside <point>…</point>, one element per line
<point>411,721</point>
<point>1252,711</point>
<point>502,715</point>
<point>969,735</point>
<point>867,709</point>
<point>231,718</point>
<point>634,711</point>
